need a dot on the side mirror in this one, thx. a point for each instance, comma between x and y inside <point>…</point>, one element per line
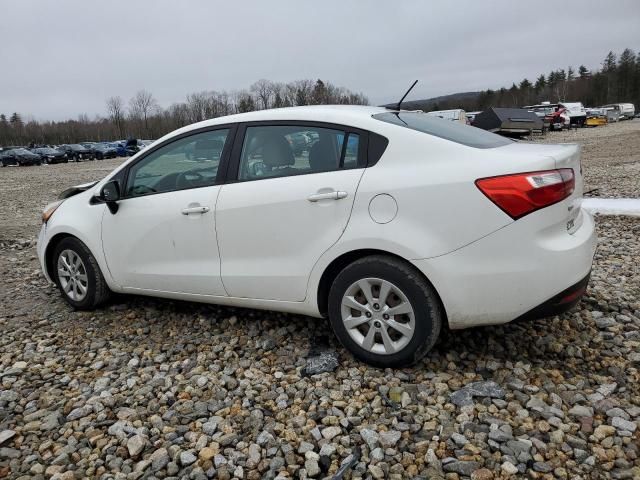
<point>110,194</point>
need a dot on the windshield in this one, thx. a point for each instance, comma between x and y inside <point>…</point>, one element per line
<point>438,127</point>
<point>46,150</point>
<point>22,151</point>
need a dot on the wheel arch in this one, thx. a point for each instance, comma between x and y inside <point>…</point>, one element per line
<point>339,263</point>
<point>48,252</point>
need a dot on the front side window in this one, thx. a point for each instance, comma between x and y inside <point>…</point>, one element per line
<point>190,162</point>
<point>281,151</point>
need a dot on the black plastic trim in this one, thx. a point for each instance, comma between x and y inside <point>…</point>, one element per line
<point>377,146</point>
<point>555,305</point>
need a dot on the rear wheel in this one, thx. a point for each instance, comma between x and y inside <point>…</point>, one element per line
<point>384,312</point>
<point>78,275</point>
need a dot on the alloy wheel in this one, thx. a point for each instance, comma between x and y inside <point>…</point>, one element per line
<point>72,275</point>
<point>378,316</point>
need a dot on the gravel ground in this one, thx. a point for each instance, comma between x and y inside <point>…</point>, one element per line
<point>155,388</point>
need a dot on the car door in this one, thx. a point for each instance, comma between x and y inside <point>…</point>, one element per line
<point>288,199</point>
<point>163,235</point>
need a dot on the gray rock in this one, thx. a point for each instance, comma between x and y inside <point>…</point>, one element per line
<point>324,362</point>
<point>605,322</point>
<point>377,454</point>
<point>159,459</point>
<point>312,468</point>
<point>79,413</point>
<point>13,453</point>
<point>388,439</point>
<point>255,454</point>
<point>370,437</point>
<point>6,435</point>
<point>51,421</point>
<point>542,467</point>
<point>621,424</point>
<point>461,467</point>
<point>499,435</point>
<point>136,445</point>
<point>209,428</point>
<point>465,395</point>
<point>331,432</point>
<point>265,438</point>
<point>187,458</point>
<point>459,439</point>
<point>581,411</point>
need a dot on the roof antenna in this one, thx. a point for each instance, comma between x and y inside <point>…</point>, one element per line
<point>405,95</point>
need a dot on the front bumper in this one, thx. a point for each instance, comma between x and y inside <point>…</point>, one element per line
<point>511,272</point>
<point>40,249</point>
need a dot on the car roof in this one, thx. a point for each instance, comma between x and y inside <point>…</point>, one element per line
<point>352,115</point>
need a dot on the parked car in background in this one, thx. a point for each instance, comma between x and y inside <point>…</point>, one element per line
<point>77,152</point>
<point>51,155</point>
<point>364,238</point>
<point>455,115</point>
<point>596,117</point>
<point>19,156</point>
<point>121,150</point>
<point>626,111</point>
<point>104,150</point>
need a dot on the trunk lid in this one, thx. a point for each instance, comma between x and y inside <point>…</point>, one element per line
<point>568,156</point>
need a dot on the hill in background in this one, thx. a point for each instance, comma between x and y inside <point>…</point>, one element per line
<point>443,102</point>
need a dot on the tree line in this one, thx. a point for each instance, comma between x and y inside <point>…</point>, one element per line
<point>617,81</point>
<point>142,116</point>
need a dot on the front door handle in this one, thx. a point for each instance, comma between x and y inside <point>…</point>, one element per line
<point>199,209</point>
<point>335,195</point>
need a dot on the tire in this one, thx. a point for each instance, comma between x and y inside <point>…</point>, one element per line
<point>96,290</point>
<point>420,328</point>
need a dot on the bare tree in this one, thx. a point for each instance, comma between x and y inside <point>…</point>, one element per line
<point>141,106</point>
<point>263,89</point>
<point>115,109</point>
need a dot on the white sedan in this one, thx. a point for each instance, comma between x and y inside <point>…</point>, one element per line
<point>391,223</point>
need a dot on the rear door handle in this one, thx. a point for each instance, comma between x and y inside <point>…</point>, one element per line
<point>200,210</point>
<point>327,196</point>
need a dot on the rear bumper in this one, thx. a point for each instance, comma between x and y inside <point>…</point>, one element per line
<point>560,303</point>
<point>512,272</point>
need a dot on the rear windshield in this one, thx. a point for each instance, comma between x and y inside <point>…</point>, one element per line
<point>447,129</point>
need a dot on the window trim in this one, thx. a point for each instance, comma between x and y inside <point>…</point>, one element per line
<point>224,158</point>
<point>233,168</point>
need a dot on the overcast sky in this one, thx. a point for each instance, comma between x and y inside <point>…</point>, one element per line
<point>61,58</point>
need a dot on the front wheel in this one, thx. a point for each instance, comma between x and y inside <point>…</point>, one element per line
<point>78,275</point>
<point>384,311</point>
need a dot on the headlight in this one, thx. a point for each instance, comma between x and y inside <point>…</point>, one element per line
<point>49,209</point>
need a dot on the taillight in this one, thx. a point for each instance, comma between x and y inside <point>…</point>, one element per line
<point>522,193</point>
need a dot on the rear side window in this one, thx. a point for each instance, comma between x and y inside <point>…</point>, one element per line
<point>438,127</point>
<point>283,151</point>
